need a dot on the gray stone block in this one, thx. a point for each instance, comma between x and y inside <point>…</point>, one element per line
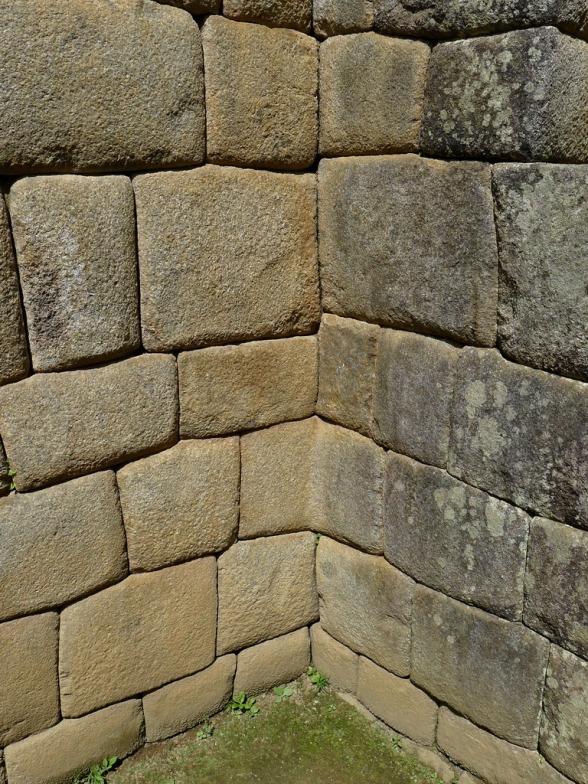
<point>14,360</point>
<point>335,17</point>
<point>296,14</point>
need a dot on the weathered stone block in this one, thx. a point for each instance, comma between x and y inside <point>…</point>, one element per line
<point>517,96</point>
<point>226,272</point>
<point>266,588</point>
<point>60,425</point>
<point>365,604</point>
<point>14,361</point>
<point>453,538</point>
<point>75,245</point>
<point>336,661</point>
<point>273,662</point>
<point>490,670</point>
<point>227,389</point>
<point>274,13</point>
<point>349,94</point>
<point>335,17</point>
<point>261,88</point>
<point>409,242</point>
<point>59,544</point>
<point>29,692</point>
<point>137,635</point>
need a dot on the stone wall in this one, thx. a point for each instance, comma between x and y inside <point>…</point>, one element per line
<point>294,364</point>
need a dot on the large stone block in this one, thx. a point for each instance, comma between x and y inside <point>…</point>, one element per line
<point>490,670</point>
<point>181,503</point>
<point>336,661</point>
<point>522,435</point>
<point>59,544</point>
<point>267,587</point>
<point>542,223</point>
<point>227,389</point>
<point>273,662</point>
<point>361,115</point>
<point>241,262</point>
<point>335,17</point>
<point>454,538</point>
<point>75,245</point>
<point>274,13</point>
<point>518,96</point>
<point>138,635</point>
<point>365,604</point>
<point>261,88</point>
<point>14,360</point>
<point>61,425</point>
<point>409,242</point>
<point>29,691</point>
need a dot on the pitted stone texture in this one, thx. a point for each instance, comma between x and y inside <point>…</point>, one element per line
<point>181,503</point>
<point>409,242</point>
<point>518,96</point>
<point>453,538</point>
<point>180,706</point>
<point>195,6</point>
<point>365,604</point>
<point>145,108</point>
<point>68,749</point>
<point>75,245</point>
<point>335,17</point>
<point>29,692</point>
<point>415,378</point>
<point>490,670</point>
<point>59,544</point>
<point>296,14</point>
<point>227,389</point>
<point>522,435</point>
<point>261,95</point>
<point>336,661</point>
<point>241,262</point>
<point>542,221</point>
<point>273,662</point>
<point>144,632</point>
<point>266,588</point>
<point>393,101</point>
<point>61,425</point>
<point>14,361</point>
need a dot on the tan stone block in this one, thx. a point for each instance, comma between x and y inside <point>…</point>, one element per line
<point>335,17</point>
<point>29,691</point>
<point>432,759</point>
<point>273,662</point>
<point>336,661</point>
<point>181,503</point>
<point>274,13</point>
<point>180,706</point>
<point>467,778</point>
<point>138,635</point>
<point>14,360</point>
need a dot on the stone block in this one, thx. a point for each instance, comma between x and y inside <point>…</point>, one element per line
<point>335,17</point>
<point>273,662</point>
<point>61,425</point>
<point>59,544</point>
<point>273,13</point>
<point>14,360</point>
<point>542,224</point>
<point>409,242</point>
<point>75,246</point>
<point>138,635</point>
<point>454,538</point>
<point>180,706</point>
<point>261,88</point>
<point>227,389</point>
<point>225,273</point>
<point>266,587</point>
<point>467,778</point>
<point>522,435</point>
<point>336,661</point>
<point>181,503</point>
<point>490,670</point>
<point>29,692</point>
<point>433,760</point>
<point>350,94</point>
<point>519,96</point>
<point>365,604</point>
<point>132,70</point>
<point>57,755</point>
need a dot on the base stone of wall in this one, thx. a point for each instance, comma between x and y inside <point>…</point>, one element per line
<point>336,661</point>
<point>272,663</point>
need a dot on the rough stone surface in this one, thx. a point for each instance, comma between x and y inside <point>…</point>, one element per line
<point>261,88</point>
<point>517,96</point>
<point>60,425</point>
<point>274,13</point>
<point>14,361</point>
<point>363,115</point>
<point>195,6</point>
<point>137,635</point>
<point>522,435</point>
<point>490,670</point>
<point>273,662</point>
<point>336,661</point>
<point>5,479</point>
<point>180,706</point>
<point>75,245</point>
<point>542,222</point>
<point>335,17</point>
<point>181,503</point>
<point>409,242</point>
<point>432,759</point>
<point>365,604</point>
<point>226,272</point>
<point>29,698</point>
<point>227,389</point>
<point>266,588</point>
<point>59,544</point>
<point>454,538</point>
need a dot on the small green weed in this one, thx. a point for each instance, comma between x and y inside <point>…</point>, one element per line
<point>317,678</point>
<point>396,742</point>
<point>11,475</point>
<point>96,773</point>
<point>317,538</point>
<point>283,693</point>
<point>241,704</point>
<point>206,729</point>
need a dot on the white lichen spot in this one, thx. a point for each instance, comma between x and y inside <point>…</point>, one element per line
<point>475,395</point>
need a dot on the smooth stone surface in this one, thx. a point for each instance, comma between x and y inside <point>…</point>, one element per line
<point>335,17</point>
<point>14,360</point>
<point>296,14</point>
<point>334,660</point>
<point>272,663</point>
